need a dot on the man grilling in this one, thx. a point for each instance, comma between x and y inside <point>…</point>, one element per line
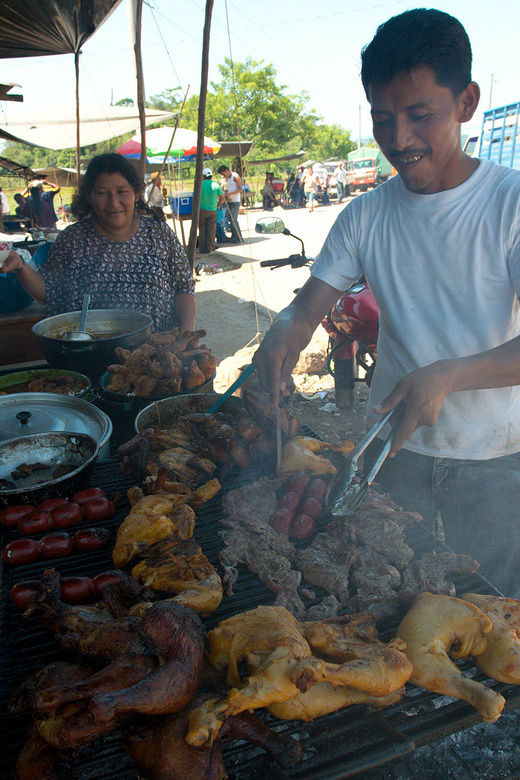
<point>440,246</point>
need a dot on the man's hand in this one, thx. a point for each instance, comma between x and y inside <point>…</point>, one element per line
<point>422,393</point>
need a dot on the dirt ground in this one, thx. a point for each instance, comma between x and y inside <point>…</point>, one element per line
<point>237,304</point>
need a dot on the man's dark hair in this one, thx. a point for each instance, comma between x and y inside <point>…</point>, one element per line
<point>223,168</point>
<point>422,37</point>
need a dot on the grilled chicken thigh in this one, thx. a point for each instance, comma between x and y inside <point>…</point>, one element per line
<point>501,658</point>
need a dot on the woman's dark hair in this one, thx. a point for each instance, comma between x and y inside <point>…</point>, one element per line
<point>111,162</point>
<point>422,37</point>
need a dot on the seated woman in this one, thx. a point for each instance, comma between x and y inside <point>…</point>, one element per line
<point>124,260</point>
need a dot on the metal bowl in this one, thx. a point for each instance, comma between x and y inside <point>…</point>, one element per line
<point>18,381</point>
<point>165,413</point>
<point>136,402</point>
<point>111,328</point>
<point>75,451</point>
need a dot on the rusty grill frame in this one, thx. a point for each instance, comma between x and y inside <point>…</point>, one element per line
<point>341,745</point>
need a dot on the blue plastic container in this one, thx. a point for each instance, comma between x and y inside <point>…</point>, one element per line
<point>181,202</point>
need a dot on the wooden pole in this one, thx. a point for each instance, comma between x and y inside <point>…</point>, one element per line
<point>78,163</point>
<point>140,86</point>
<point>200,134</point>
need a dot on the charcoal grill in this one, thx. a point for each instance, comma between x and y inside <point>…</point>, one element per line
<point>336,746</point>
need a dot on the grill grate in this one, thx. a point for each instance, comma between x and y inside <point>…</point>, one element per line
<point>336,746</point>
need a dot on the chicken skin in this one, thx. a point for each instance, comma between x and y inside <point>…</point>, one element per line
<point>277,651</point>
<point>501,658</point>
<point>438,626</point>
<point>302,453</point>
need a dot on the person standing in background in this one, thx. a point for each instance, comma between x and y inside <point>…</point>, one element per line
<point>153,195</point>
<point>234,188</point>
<point>310,188</point>
<point>49,195</point>
<point>4,203</point>
<point>340,175</point>
<point>211,198</point>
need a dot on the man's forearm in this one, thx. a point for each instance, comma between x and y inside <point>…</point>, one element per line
<point>498,367</point>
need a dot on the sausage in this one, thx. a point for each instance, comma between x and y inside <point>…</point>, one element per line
<point>317,489</point>
<point>52,503</point>
<point>23,593</point>
<point>311,506</point>
<point>302,527</point>
<point>89,539</point>
<point>56,545</point>
<point>281,520</point>
<point>11,515</point>
<point>291,500</point>
<point>21,551</point>
<point>106,578</point>
<point>37,522</point>
<point>66,515</point>
<point>75,590</point>
<point>298,482</point>
<point>85,495</point>
<point>96,509</point>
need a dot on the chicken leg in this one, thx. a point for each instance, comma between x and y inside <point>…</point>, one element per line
<point>501,658</point>
<point>434,625</point>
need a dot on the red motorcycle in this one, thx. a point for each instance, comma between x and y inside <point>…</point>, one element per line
<point>352,324</point>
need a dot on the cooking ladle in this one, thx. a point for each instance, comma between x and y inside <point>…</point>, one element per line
<point>80,334</point>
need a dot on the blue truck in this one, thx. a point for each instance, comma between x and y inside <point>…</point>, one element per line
<point>500,136</point>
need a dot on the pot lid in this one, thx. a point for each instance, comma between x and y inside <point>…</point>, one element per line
<point>25,413</point>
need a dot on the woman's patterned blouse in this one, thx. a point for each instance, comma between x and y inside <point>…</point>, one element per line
<point>142,274</point>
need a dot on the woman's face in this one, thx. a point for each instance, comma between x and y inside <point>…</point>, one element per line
<point>113,200</point>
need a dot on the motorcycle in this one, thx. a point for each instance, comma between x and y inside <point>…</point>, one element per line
<point>352,324</point>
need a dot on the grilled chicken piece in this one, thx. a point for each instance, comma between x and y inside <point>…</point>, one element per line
<point>324,698</point>
<point>151,519</point>
<point>258,405</point>
<point>179,565</point>
<point>501,658</point>
<point>162,753</point>
<point>438,626</point>
<point>187,466</point>
<point>301,453</point>
<point>38,760</point>
<point>278,655</point>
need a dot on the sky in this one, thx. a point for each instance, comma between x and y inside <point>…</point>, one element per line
<point>314,47</point>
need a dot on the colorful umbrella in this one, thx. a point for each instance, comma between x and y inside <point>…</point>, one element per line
<point>184,146</point>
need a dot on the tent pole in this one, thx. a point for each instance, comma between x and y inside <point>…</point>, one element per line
<point>200,137</point>
<point>78,164</point>
<point>140,86</point>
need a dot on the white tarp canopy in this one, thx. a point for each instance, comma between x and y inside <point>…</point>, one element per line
<point>55,128</point>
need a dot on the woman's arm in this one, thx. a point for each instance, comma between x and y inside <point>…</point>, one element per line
<point>32,281</point>
<point>185,311</point>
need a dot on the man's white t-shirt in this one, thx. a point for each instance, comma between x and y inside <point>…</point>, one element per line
<point>232,188</point>
<point>444,270</point>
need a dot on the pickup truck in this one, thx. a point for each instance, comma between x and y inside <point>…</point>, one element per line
<point>368,167</point>
<point>500,135</point>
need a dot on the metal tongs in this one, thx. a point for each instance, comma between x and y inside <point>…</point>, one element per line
<point>348,487</point>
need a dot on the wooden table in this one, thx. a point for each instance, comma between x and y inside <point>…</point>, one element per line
<point>17,342</point>
<point>181,218</point>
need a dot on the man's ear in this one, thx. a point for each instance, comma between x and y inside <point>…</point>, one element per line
<point>469,101</point>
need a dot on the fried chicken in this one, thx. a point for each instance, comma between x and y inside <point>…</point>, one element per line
<point>302,453</point>
<point>437,626</point>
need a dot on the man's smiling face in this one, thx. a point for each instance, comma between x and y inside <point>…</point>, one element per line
<point>417,125</point>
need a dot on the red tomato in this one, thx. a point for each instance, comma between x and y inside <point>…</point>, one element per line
<point>85,495</point>
<point>91,539</point>
<point>75,590</point>
<point>51,503</point>
<point>96,509</point>
<point>106,578</point>
<point>311,506</point>
<point>281,520</point>
<point>291,500</point>
<point>317,489</point>
<point>302,527</point>
<point>12,514</point>
<point>67,515</point>
<point>56,545</point>
<point>21,551</point>
<point>38,522</point>
<point>23,593</point>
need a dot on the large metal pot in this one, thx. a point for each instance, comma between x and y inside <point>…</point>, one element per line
<point>75,451</point>
<point>111,328</point>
